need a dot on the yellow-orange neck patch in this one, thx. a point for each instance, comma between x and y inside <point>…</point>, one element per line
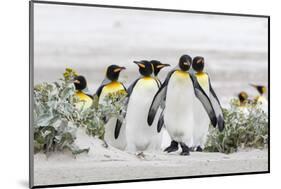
<point>182,73</point>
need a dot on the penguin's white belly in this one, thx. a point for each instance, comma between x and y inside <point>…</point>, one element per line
<point>139,134</point>
<point>156,139</point>
<point>201,118</point>
<point>166,139</point>
<point>179,108</point>
<point>109,137</point>
<point>201,124</point>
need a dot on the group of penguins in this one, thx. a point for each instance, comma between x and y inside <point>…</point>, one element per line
<point>180,108</point>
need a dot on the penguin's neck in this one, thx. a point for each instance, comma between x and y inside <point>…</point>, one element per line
<point>200,73</point>
<point>114,84</point>
<point>147,77</point>
<point>181,73</point>
<point>82,95</point>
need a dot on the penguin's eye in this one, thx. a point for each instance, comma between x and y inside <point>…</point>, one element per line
<point>141,65</point>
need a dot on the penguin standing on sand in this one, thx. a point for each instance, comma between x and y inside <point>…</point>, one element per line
<point>140,95</point>
<point>201,120</point>
<point>178,93</point>
<point>260,99</point>
<point>80,84</point>
<point>114,133</point>
<point>161,136</point>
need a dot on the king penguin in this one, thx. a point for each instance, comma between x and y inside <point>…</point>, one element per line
<point>260,99</point>
<point>242,106</point>
<point>140,93</point>
<point>201,120</point>
<point>161,137</point>
<point>114,133</point>
<point>178,92</point>
<point>243,99</point>
<point>80,84</point>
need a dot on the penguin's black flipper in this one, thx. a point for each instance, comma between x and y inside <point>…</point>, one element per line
<point>217,107</point>
<point>158,99</point>
<point>99,90</point>
<point>117,128</point>
<point>90,96</point>
<point>204,99</point>
<point>131,87</point>
<point>160,123</point>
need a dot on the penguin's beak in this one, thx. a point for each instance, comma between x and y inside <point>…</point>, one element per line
<point>140,64</point>
<point>162,66</point>
<point>165,65</point>
<point>253,85</point>
<point>123,68</point>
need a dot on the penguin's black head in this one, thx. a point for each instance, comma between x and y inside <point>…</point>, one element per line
<point>80,82</point>
<point>157,66</point>
<point>261,89</point>
<point>198,64</point>
<point>185,62</point>
<point>145,67</point>
<point>113,71</point>
<point>243,97</point>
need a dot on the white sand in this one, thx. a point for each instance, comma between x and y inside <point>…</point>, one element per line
<point>108,164</point>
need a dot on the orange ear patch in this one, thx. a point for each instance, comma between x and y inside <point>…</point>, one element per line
<point>160,66</point>
<point>76,81</point>
<point>141,65</point>
<point>117,70</point>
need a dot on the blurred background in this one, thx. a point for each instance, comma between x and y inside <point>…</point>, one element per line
<point>88,39</point>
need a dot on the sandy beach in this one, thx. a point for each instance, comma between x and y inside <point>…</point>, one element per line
<point>110,164</point>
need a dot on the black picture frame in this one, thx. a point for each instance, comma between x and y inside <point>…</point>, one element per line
<point>31,72</point>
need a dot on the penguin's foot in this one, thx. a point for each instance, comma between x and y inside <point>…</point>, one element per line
<point>105,144</point>
<point>199,149</point>
<point>185,149</point>
<point>140,155</point>
<point>173,147</point>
